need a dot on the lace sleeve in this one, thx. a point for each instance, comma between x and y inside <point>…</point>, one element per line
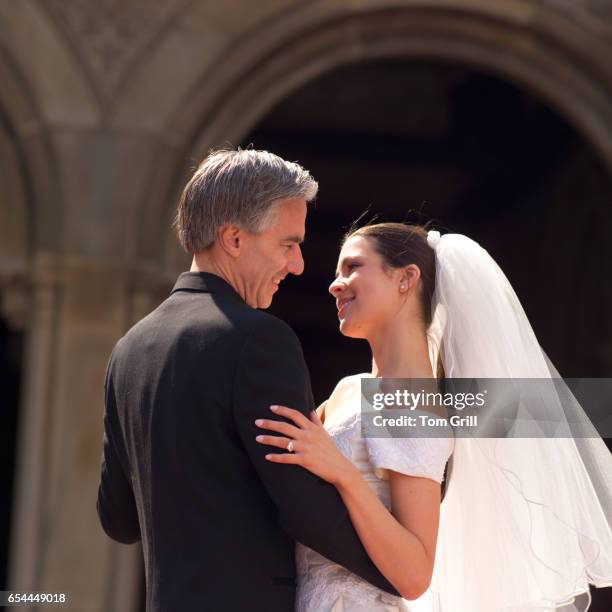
<point>425,457</point>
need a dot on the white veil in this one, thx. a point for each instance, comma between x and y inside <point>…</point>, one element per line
<point>525,522</point>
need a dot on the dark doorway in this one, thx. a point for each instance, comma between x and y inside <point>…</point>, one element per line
<point>415,141</point>
<point>11,353</point>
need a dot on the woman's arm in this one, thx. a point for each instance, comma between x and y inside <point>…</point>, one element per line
<point>402,545</point>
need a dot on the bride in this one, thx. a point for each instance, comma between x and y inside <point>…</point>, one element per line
<point>524,523</point>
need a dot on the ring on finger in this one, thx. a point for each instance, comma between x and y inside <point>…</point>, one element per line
<point>290,446</point>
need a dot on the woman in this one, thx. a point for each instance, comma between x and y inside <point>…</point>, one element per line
<point>508,536</point>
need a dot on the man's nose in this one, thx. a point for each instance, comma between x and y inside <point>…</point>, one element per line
<point>296,263</point>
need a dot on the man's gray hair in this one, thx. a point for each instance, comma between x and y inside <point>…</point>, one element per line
<point>241,187</point>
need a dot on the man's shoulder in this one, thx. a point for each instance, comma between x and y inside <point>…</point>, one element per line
<point>258,322</point>
<point>140,329</point>
<point>266,334</point>
<point>238,324</point>
<point>140,334</point>
<point>270,348</point>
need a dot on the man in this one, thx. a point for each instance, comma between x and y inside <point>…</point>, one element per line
<point>181,467</point>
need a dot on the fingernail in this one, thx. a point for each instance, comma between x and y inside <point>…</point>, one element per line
<point>273,408</point>
<point>268,456</point>
<point>259,422</point>
<point>259,438</point>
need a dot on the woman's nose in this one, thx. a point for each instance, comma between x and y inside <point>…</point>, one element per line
<point>336,287</point>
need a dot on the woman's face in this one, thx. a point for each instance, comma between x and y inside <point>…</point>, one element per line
<point>368,296</point>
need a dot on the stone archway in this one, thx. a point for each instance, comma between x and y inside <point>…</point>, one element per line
<point>414,141</point>
<point>541,48</point>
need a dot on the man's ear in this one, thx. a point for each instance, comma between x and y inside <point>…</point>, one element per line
<point>231,239</point>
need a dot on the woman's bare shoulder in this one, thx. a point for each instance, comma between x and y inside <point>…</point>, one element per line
<point>344,384</point>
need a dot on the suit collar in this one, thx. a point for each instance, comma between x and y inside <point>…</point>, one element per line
<point>204,282</point>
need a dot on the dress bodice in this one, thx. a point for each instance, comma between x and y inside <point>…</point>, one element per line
<point>324,586</point>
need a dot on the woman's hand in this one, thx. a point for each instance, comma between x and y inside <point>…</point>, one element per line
<point>313,448</point>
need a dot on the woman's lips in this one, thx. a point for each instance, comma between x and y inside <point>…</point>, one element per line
<point>342,305</point>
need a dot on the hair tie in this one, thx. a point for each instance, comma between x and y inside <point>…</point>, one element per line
<point>433,238</point>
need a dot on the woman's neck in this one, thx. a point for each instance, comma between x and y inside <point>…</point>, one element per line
<point>400,351</point>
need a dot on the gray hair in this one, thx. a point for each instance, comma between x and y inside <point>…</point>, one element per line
<point>241,187</point>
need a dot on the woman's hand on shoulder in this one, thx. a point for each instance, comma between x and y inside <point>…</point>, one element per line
<point>311,446</point>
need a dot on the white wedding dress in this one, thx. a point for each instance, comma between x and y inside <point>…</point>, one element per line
<point>324,586</point>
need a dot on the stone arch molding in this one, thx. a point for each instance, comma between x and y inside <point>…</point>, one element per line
<point>549,47</point>
<point>33,99</point>
<point>26,178</point>
<point>15,225</point>
<point>14,206</point>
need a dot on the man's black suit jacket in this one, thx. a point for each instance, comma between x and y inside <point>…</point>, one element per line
<point>182,471</point>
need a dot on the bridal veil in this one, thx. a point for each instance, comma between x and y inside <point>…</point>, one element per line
<point>525,523</point>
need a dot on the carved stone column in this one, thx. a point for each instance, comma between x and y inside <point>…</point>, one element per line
<point>31,446</point>
<point>79,310</point>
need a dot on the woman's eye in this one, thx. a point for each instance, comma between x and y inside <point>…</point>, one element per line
<point>352,266</point>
